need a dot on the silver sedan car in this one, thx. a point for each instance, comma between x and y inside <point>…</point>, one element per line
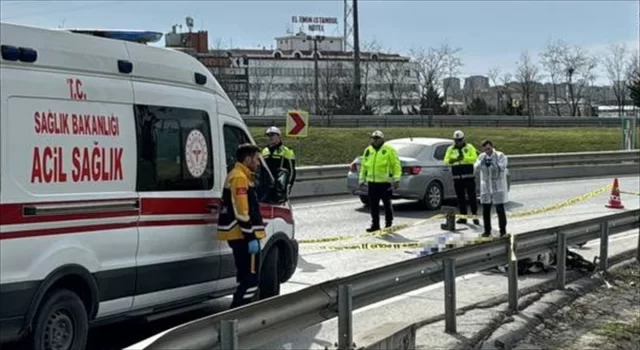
<point>425,176</point>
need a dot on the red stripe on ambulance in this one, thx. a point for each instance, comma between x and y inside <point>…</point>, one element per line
<point>14,214</point>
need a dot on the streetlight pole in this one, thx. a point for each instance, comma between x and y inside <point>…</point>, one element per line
<point>356,54</point>
<point>315,67</point>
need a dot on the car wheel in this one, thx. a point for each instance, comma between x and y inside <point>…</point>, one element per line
<point>61,322</point>
<point>364,200</point>
<point>270,277</point>
<point>433,197</point>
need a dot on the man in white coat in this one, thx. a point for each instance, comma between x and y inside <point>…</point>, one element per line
<point>492,166</point>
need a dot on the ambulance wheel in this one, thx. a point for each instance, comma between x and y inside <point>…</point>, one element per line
<point>433,196</point>
<point>61,322</point>
<point>270,278</point>
<point>365,201</point>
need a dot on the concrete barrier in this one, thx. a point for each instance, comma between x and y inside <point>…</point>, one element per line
<point>391,336</point>
<point>331,180</point>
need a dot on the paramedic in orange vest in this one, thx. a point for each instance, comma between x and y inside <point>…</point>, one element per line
<point>240,222</point>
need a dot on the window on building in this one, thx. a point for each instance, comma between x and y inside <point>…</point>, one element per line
<point>174,149</point>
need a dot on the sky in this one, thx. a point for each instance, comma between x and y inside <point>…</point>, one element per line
<point>490,33</point>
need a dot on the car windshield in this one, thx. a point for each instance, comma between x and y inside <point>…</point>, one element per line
<point>409,150</point>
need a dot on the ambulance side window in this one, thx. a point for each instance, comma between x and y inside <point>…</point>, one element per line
<point>174,149</point>
<point>233,137</point>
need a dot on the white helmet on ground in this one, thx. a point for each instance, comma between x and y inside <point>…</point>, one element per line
<point>273,130</point>
<point>458,134</point>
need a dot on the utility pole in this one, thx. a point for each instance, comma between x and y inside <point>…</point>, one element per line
<point>356,55</point>
<point>315,67</point>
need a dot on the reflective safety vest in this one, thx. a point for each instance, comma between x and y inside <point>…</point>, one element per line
<point>381,165</point>
<point>240,216</point>
<point>280,157</point>
<point>461,169</point>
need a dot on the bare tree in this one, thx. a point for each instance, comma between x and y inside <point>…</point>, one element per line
<point>367,66</point>
<point>506,80</point>
<point>303,90</point>
<point>616,65</point>
<point>552,60</point>
<point>633,66</point>
<point>527,76</point>
<point>331,76</point>
<point>261,85</point>
<point>452,63</point>
<point>218,44</point>
<point>432,67</point>
<point>578,66</point>
<point>394,77</point>
<point>494,78</point>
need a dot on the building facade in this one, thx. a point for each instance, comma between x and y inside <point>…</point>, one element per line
<point>270,82</point>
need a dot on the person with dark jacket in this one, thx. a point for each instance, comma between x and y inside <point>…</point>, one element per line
<point>462,157</point>
<point>278,156</point>
<point>240,222</point>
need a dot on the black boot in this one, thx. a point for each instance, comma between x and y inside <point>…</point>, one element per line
<point>373,228</point>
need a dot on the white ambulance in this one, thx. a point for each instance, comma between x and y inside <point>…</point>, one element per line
<point>113,156</point>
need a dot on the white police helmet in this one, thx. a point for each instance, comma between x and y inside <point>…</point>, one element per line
<point>458,135</point>
<point>377,133</point>
<point>273,130</point>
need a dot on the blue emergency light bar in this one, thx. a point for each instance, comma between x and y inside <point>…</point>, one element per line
<point>137,36</point>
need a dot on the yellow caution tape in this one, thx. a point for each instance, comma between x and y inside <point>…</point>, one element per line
<point>631,193</point>
<point>563,204</point>
<point>430,243</point>
<point>395,228</point>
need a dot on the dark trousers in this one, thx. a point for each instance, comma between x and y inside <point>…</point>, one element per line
<point>466,187</point>
<point>378,191</point>
<point>247,273</point>
<point>502,218</point>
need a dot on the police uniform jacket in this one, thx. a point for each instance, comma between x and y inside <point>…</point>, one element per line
<point>280,157</point>
<point>240,212</point>
<point>461,169</point>
<point>380,165</point>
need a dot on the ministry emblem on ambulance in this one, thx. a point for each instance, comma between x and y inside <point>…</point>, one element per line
<point>196,153</point>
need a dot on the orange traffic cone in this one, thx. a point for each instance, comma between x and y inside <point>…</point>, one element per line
<point>614,199</point>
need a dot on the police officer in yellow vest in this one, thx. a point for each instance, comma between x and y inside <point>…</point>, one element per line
<point>240,222</point>
<point>278,156</point>
<point>380,170</point>
<point>462,157</point>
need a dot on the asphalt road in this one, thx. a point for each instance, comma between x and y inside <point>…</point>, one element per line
<point>343,215</point>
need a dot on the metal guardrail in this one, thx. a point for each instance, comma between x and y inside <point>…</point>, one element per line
<point>516,162</point>
<point>436,121</point>
<point>257,324</point>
